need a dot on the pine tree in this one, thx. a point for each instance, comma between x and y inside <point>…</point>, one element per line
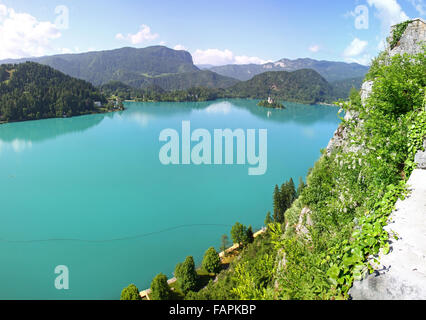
<point>300,187</point>
<point>277,204</point>
<point>250,236</point>
<point>292,190</point>
<point>285,196</point>
<point>224,243</point>
<point>268,219</point>
<point>186,275</point>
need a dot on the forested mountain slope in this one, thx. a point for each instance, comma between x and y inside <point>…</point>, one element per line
<point>30,91</point>
<point>306,86</point>
<point>140,68</point>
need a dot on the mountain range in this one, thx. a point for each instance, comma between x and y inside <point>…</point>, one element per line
<point>157,65</point>
<point>169,69</point>
<point>330,70</point>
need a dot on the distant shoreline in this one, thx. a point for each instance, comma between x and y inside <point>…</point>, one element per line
<point>79,115</point>
<point>327,104</point>
<point>231,98</point>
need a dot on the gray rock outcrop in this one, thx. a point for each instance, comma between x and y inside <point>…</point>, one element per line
<point>411,40</point>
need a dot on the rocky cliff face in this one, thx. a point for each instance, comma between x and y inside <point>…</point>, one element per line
<point>411,42</point>
<point>401,274</point>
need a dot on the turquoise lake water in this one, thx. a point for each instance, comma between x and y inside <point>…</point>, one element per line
<point>90,193</point>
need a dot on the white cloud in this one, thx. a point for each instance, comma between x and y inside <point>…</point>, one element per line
<point>356,48</point>
<point>315,48</point>
<point>3,11</point>
<point>144,34</point>
<point>355,52</point>
<point>364,59</point>
<point>218,57</point>
<point>250,60</point>
<point>213,56</point>
<point>180,47</point>
<point>223,107</point>
<point>389,12</point>
<point>21,145</point>
<point>75,50</point>
<point>22,35</point>
<point>66,50</point>
<point>16,145</point>
<point>419,6</point>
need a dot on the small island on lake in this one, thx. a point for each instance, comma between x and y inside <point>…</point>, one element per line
<point>271,103</point>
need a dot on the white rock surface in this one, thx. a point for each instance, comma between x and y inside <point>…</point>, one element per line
<point>421,157</point>
<point>402,273</point>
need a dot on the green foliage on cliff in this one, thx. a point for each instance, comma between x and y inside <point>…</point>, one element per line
<point>283,198</point>
<point>31,91</point>
<point>398,32</point>
<point>350,193</point>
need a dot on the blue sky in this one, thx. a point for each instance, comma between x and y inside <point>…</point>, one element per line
<point>215,32</point>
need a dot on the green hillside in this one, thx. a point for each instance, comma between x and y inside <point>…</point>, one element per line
<point>342,88</point>
<point>139,68</point>
<point>306,86</point>
<point>101,67</point>
<point>30,91</point>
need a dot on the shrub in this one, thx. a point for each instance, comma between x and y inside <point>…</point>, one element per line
<point>186,275</point>
<point>160,289</point>
<point>211,262</point>
<point>130,293</point>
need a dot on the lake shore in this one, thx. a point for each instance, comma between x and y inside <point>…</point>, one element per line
<point>99,111</point>
<point>144,294</point>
